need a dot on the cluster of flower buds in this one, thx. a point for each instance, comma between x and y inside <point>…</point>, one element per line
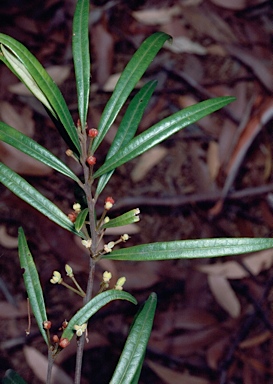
<point>91,160</point>
<point>80,329</point>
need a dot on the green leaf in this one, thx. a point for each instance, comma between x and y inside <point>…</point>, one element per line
<point>25,144</point>
<point>81,219</point>
<point>136,343</point>
<point>81,57</point>
<point>127,81</point>
<point>92,307</point>
<point>162,130</point>
<point>127,218</point>
<point>26,192</point>
<point>128,127</point>
<point>32,283</point>
<point>12,377</point>
<point>38,81</point>
<point>190,249</point>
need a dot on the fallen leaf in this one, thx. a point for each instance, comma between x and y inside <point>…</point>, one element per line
<point>6,240</point>
<point>184,44</point>
<point>156,16</point>
<point>38,363</point>
<point>224,295</point>
<point>255,263</point>
<point>213,159</point>
<point>170,376</point>
<point>147,161</point>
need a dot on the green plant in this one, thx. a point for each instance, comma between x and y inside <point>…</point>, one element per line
<point>84,144</point>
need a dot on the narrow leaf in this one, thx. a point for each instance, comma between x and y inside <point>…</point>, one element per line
<point>81,219</point>
<point>25,144</point>
<point>32,283</point>
<point>128,126</point>
<point>26,192</point>
<point>136,343</point>
<point>12,377</point>
<point>162,130</point>
<point>92,307</point>
<point>190,249</point>
<point>127,81</point>
<point>81,57</point>
<point>35,71</point>
<point>127,218</point>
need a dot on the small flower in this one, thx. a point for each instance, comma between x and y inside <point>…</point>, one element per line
<point>80,329</point>
<point>106,219</point>
<point>109,247</point>
<point>77,207</point>
<point>56,278</point>
<point>91,160</point>
<point>47,324</point>
<point>120,283</point>
<point>64,343</point>
<point>93,132</point>
<point>87,243</point>
<point>125,237</point>
<point>106,276</point>
<point>69,270</point>
<point>109,202</point>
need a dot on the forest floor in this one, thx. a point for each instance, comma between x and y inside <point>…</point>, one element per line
<point>214,318</point>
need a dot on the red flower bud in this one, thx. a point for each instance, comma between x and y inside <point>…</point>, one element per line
<point>55,339</point>
<point>64,343</point>
<point>72,217</point>
<point>91,160</point>
<point>93,132</point>
<point>109,199</point>
<point>47,324</point>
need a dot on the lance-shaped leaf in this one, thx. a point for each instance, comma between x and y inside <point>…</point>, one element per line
<point>38,81</point>
<point>81,57</point>
<point>12,377</point>
<point>81,219</point>
<point>128,127</point>
<point>127,218</point>
<point>162,130</point>
<point>84,314</point>
<point>32,283</point>
<point>25,144</point>
<point>26,192</point>
<point>135,347</point>
<point>190,249</point>
<point>127,81</point>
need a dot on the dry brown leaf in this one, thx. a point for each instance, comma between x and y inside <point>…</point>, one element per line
<point>59,74</point>
<point>256,340</point>
<point>22,121</point>
<point>213,159</point>
<point>156,16</point>
<point>215,353</point>
<point>182,44</point>
<point>255,263</point>
<point>147,161</point>
<point>236,5</point>
<point>170,376</point>
<point>38,363</point>
<point>9,311</point>
<point>224,295</point>
<point>6,240</point>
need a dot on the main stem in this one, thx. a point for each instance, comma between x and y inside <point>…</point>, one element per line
<point>93,249</point>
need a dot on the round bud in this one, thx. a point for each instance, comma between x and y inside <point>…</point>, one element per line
<point>91,160</point>
<point>72,217</point>
<point>93,132</point>
<point>55,339</point>
<point>64,343</point>
<point>47,324</point>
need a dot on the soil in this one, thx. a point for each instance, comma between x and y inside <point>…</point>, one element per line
<point>203,332</point>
